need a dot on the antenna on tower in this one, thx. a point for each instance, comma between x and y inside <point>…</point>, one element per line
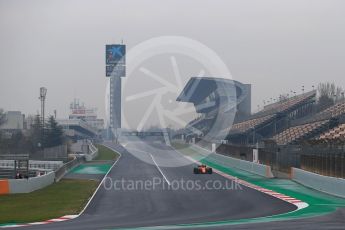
<point>43,93</point>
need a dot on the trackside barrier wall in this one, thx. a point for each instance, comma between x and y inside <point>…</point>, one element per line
<point>4,187</point>
<point>31,184</point>
<point>230,162</point>
<point>59,173</point>
<point>93,152</point>
<point>331,185</point>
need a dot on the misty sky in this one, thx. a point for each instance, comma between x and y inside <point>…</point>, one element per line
<point>277,46</point>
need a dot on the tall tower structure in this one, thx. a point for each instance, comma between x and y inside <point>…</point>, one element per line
<point>115,69</point>
<point>115,102</point>
<point>43,94</point>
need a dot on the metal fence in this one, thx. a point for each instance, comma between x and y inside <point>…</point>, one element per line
<point>321,157</point>
<point>57,153</point>
<point>326,159</point>
<point>281,159</point>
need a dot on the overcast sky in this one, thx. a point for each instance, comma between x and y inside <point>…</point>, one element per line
<point>276,46</point>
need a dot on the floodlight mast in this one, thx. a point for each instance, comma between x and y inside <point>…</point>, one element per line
<point>43,93</point>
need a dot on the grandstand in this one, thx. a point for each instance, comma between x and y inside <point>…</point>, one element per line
<point>301,132</point>
<point>274,118</point>
<point>289,105</point>
<point>318,126</point>
<point>337,133</point>
<point>244,126</point>
<point>289,121</point>
<point>216,100</point>
<point>334,111</point>
<point>247,128</point>
<point>292,132</point>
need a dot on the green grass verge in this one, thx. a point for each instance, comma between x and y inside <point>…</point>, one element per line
<point>105,153</point>
<point>67,197</point>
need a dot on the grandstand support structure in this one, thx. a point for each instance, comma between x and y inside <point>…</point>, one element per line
<point>217,101</point>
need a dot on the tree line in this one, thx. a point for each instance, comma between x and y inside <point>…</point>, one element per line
<point>329,94</point>
<point>39,136</point>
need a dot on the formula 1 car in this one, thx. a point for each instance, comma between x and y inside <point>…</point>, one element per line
<point>202,169</point>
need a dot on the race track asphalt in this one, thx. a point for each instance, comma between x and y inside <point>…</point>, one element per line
<point>125,207</point>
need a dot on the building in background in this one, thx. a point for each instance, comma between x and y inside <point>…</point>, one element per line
<point>14,121</point>
<point>89,115</point>
<point>82,122</point>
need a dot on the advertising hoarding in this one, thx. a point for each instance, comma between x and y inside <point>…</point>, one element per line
<point>116,70</point>
<point>115,60</point>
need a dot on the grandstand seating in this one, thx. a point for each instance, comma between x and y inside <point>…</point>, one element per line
<point>246,125</point>
<point>288,104</point>
<point>276,117</point>
<point>335,133</point>
<point>331,112</point>
<point>269,113</point>
<point>299,132</point>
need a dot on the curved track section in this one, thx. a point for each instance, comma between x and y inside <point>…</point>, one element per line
<point>158,205</point>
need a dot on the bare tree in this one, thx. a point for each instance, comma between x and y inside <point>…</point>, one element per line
<point>2,117</point>
<point>329,94</point>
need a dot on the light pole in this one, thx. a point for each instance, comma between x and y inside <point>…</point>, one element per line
<point>43,93</point>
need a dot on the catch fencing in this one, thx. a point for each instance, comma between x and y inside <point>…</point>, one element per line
<point>57,153</point>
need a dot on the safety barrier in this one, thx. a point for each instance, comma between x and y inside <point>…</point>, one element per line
<point>331,185</point>
<point>26,185</point>
<point>93,152</point>
<point>59,173</point>
<point>34,183</point>
<point>4,187</point>
<point>226,161</point>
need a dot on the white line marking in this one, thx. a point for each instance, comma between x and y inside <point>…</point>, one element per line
<point>100,184</point>
<point>160,170</point>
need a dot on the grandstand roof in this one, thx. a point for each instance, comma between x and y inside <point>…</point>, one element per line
<point>198,88</point>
